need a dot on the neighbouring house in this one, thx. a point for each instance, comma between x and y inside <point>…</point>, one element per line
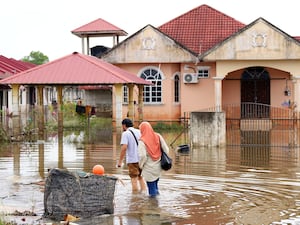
<point>74,70</point>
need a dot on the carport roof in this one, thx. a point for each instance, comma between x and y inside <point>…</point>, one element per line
<point>75,69</point>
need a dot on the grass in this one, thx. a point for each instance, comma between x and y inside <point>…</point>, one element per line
<point>167,127</point>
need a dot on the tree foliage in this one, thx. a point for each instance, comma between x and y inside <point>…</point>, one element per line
<point>36,57</point>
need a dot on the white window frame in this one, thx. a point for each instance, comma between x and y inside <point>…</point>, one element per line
<point>203,72</point>
<point>158,84</point>
<point>125,94</point>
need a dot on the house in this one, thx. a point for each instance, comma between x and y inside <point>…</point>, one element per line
<point>206,60</point>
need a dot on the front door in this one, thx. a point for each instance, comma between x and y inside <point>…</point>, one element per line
<point>255,93</point>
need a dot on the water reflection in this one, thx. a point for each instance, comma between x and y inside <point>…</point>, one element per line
<point>236,185</point>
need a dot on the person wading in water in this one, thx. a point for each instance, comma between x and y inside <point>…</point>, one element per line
<point>129,147</point>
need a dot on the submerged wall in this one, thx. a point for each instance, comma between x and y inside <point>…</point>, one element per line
<point>208,129</point>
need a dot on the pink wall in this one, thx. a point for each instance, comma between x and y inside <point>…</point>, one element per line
<point>168,110</point>
<point>201,95</point>
<point>198,96</point>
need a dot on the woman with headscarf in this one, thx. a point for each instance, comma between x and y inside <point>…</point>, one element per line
<point>150,154</point>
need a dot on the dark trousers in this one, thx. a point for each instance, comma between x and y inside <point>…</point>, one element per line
<point>153,188</point>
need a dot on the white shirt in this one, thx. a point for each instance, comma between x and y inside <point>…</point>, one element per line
<point>127,138</point>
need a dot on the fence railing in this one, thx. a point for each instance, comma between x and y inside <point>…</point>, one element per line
<point>252,124</point>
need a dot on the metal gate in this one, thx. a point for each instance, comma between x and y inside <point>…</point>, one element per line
<point>252,124</point>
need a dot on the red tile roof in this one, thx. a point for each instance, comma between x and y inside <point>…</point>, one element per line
<point>97,28</point>
<point>75,69</point>
<point>201,28</point>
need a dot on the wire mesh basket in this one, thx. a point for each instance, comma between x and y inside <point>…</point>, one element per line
<point>79,194</point>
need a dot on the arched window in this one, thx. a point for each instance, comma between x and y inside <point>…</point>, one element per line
<point>176,88</point>
<point>153,93</point>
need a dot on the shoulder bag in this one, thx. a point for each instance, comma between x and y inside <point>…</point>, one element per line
<point>166,161</point>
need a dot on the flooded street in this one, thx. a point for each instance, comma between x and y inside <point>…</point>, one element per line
<point>233,185</point>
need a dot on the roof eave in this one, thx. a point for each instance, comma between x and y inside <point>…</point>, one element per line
<point>106,33</point>
<point>72,84</point>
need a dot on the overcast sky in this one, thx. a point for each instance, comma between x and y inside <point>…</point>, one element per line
<point>46,25</point>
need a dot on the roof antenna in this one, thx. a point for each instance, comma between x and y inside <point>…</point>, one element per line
<point>200,51</point>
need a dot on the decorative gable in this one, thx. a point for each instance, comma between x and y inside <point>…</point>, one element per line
<point>149,45</point>
<point>259,40</point>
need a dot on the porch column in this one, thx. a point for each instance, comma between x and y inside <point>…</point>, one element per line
<point>119,114</point>
<point>141,103</point>
<point>41,121</point>
<point>218,93</point>
<point>60,118</point>
<point>131,102</point>
<point>16,119</point>
<point>296,94</point>
<point>15,99</point>
<point>60,122</point>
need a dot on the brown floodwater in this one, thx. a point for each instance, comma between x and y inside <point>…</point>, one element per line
<point>232,185</point>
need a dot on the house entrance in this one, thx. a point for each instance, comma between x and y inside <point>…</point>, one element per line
<point>255,88</point>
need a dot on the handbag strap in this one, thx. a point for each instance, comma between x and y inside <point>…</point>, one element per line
<point>161,149</point>
<point>134,137</point>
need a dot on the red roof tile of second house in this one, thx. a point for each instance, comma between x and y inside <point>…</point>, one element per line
<point>201,28</point>
<point>98,27</point>
<point>75,69</point>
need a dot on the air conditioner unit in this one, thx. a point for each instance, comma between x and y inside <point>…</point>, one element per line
<point>190,78</point>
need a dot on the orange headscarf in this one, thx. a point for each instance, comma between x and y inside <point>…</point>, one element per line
<point>151,140</point>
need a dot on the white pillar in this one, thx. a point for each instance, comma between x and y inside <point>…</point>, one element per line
<point>218,93</point>
<point>9,101</point>
<point>88,46</point>
<point>82,45</point>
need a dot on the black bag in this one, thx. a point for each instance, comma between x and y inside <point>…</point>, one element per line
<point>166,161</point>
